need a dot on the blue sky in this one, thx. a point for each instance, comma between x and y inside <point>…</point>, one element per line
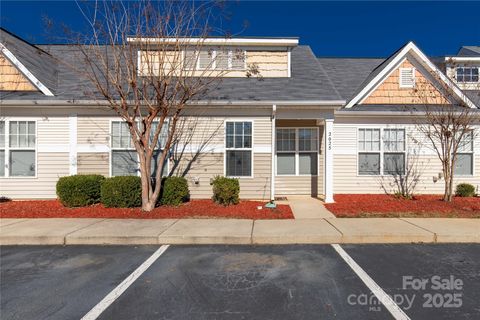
<point>346,29</point>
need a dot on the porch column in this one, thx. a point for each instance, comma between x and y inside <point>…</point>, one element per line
<point>272,150</point>
<point>328,175</point>
<point>72,120</point>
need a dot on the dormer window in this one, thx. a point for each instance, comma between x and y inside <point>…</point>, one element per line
<point>467,74</point>
<point>220,59</point>
<point>407,78</point>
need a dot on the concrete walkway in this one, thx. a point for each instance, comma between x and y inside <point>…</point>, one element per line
<point>232,231</point>
<point>305,207</point>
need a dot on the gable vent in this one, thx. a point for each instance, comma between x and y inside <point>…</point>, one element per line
<point>407,77</point>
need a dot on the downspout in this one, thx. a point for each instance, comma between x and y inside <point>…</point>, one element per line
<point>272,179</point>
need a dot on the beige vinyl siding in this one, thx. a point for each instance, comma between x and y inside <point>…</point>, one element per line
<point>270,64</point>
<point>345,176</point>
<point>93,163</point>
<point>302,185</point>
<point>209,165</point>
<point>54,130</point>
<point>12,79</point>
<point>93,130</point>
<point>50,167</point>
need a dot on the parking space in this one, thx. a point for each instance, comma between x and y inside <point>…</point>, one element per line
<point>427,281</point>
<point>237,282</point>
<point>44,282</point>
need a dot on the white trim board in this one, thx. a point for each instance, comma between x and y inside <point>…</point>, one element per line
<point>423,59</point>
<point>40,86</point>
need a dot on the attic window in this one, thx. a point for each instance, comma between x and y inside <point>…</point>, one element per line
<point>407,78</point>
<point>220,59</point>
<point>467,74</point>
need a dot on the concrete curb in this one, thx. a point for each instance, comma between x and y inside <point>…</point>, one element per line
<point>233,231</point>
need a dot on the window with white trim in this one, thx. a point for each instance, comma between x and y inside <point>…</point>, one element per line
<point>297,151</point>
<point>124,159</point>
<point>394,151</point>
<point>219,59</point>
<point>407,77</point>
<point>17,148</point>
<point>369,152</point>
<point>464,162</point>
<point>381,154</point>
<point>467,74</point>
<point>238,142</point>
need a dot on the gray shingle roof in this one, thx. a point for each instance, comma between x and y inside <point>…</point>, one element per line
<point>347,74</point>
<point>37,61</point>
<point>308,81</point>
<point>469,51</point>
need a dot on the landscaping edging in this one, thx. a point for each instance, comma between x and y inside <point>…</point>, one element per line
<point>236,231</point>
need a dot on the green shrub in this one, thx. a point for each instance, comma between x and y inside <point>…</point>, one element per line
<point>226,190</point>
<point>465,190</point>
<point>174,191</point>
<point>122,192</point>
<point>79,190</point>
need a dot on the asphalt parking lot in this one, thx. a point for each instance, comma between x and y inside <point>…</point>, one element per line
<point>240,282</point>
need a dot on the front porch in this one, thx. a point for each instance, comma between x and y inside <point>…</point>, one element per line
<point>302,152</point>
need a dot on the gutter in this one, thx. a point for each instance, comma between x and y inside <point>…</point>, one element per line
<point>339,113</point>
<point>92,103</point>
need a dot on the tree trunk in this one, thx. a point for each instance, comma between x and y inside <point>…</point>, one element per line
<point>146,187</point>
<point>448,191</point>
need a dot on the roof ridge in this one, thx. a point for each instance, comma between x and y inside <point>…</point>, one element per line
<point>23,40</point>
<point>326,74</point>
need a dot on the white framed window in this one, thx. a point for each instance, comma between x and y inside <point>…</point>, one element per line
<point>407,78</point>
<point>394,151</point>
<point>219,59</point>
<point>238,145</point>
<point>369,151</point>
<point>465,156</point>
<point>297,151</point>
<point>18,148</point>
<point>381,154</point>
<point>124,159</point>
<point>467,74</point>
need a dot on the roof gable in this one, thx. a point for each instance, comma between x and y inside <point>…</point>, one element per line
<point>34,64</point>
<point>389,90</point>
<point>12,79</point>
<point>414,55</point>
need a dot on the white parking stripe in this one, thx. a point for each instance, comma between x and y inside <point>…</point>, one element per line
<point>384,298</point>
<point>117,292</point>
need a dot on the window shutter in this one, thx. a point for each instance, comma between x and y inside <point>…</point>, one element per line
<point>407,77</point>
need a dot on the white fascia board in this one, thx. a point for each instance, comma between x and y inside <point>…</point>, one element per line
<point>402,54</point>
<point>461,59</point>
<point>40,86</point>
<point>221,41</point>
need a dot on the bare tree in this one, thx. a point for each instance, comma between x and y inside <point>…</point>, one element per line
<point>404,177</point>
<point>447,122</point>
<point>149,60</point>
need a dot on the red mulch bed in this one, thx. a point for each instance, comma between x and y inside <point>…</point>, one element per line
<point>382,205</point>
<point>192,209</point>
